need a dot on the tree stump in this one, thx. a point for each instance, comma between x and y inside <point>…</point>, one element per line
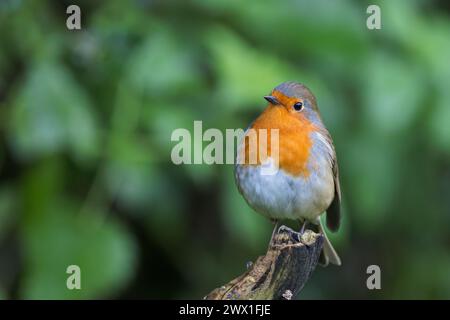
<point>281,273</point>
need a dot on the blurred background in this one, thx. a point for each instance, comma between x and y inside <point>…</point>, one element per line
<point>86,119</point>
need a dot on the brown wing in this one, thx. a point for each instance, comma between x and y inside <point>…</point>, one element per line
<point>334,210</point>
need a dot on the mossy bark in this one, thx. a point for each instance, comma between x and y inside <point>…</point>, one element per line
<point>281,273</point>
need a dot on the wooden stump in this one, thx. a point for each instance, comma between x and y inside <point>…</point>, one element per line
<point>281,273</point>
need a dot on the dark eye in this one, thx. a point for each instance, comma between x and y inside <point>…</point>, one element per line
<point>298,106</point>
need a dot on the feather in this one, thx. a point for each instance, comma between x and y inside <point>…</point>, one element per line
<point>334,210</point>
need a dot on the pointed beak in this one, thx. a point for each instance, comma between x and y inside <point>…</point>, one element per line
<point>272,100</point>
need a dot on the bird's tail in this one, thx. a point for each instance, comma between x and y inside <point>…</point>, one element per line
<point>328,254</point>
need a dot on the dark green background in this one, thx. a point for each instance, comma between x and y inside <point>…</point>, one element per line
<point>86,118</point>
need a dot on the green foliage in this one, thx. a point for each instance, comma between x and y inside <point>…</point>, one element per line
<point>86,119</point>
<point>59,238</point>
<point>56,110</point>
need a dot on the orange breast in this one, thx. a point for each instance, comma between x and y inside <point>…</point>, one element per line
<point>294,140</point>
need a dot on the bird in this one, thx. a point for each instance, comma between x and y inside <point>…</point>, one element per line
<point>306,182</point>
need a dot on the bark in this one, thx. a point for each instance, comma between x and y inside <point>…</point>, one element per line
<point>281,273</point>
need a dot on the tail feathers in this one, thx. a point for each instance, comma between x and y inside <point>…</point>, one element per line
<point>328,254</point>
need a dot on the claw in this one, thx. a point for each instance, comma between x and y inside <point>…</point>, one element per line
<point>302,230</point>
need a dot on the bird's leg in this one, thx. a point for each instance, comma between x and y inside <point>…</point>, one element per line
<point>302,230</point>
<point>275,222</point>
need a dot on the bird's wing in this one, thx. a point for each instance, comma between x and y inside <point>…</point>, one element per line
<point>334,210</point>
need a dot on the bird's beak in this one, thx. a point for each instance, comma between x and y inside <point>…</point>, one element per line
<point>272,100</point>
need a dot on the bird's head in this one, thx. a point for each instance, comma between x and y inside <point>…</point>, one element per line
<point>296,100</point>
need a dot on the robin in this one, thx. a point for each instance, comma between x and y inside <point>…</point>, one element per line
<point>306,183</point>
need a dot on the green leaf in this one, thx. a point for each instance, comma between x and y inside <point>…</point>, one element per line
<point>163,67</point>
<point>243,71</point>
<point>438,123</point>
<point>393,94</point>
<point>102,249</point>
<point>8,209</point>
<point>369,165</point>
<point>51,114</point>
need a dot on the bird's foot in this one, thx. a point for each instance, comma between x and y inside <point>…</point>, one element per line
<point>303,228</point>
<point>275,230</point>
<point>301,234</point>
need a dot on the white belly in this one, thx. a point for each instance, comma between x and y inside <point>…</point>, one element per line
<point>282,196</point>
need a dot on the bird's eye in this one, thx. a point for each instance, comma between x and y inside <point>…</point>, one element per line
<point>298,106</point>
